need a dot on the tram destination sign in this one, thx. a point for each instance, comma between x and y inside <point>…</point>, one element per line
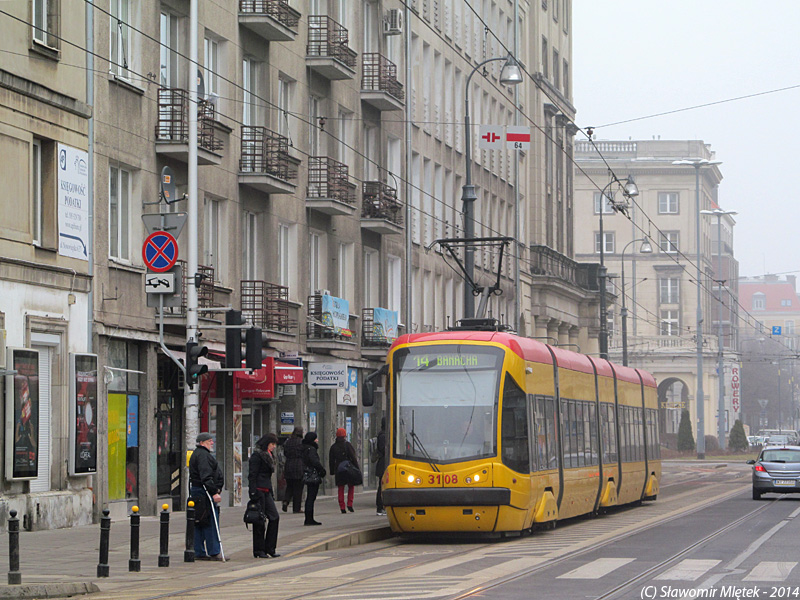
<point>449,360</point>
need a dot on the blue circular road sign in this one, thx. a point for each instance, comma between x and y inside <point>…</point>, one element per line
<point>160,251</point>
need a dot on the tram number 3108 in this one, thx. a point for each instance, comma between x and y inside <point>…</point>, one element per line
<point>438,477</point>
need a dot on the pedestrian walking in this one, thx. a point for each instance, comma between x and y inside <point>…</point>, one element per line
<point>262,466</point>
<point>205,485</point>
<point>313,474</point>
<point>293,471</point>
<point>340,452</point>
<point>380,467</point>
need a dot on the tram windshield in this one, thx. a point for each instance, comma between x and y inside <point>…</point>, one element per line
<point>446,400</point>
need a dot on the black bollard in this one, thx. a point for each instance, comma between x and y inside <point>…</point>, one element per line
<point>188,553</point>
<point>163,557</point>
<point>14,576</point>
<point>105,534</point>
<point>134,564</point>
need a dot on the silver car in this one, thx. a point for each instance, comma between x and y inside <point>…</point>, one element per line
<point>777,470</point>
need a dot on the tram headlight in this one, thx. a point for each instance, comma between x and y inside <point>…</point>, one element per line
<point>411,478</point>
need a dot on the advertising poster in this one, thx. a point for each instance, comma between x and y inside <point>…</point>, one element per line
<point>83,412</point>
<point>348,395</point>
<point>73,202</point>
<point>117,445</point>
<point>336,315</point>
<point>22,415</point>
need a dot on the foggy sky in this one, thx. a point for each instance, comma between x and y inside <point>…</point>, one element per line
<point>634,58</point>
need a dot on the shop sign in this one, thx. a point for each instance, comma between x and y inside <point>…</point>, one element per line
<point>83,414</point>
<point>22,415</point>
<point>258,384</point>
<point>73,202</point>
<point>327,375</point>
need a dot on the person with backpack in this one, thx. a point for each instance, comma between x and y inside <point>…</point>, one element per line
<point>342,452</point>
<point>380,466</point>
<point>313,472</point>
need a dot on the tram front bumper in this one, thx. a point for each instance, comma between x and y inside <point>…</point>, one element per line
<point>447,497</point>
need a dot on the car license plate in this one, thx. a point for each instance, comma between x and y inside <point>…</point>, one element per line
<point>784,482</point>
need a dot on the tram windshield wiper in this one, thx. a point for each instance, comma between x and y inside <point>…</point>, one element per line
<point>416,440</point>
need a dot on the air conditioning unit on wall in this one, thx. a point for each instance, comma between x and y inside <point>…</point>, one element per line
<point>393,24</point>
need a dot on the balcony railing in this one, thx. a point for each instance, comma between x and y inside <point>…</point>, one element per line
<point>173,120</point>
<point>380,202</point>
<point>372,336</point>
<point>264,151</point>
<point>205,291</point>
<point>327,38</point>
<point>317,328</point>
<point>546,261</point>
<point>328,178</point>
<point>667,343</point>
<point>266,305</point>
<point>277,9</point>
<point>380,75</point>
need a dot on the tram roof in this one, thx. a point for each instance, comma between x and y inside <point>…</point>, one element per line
<point>532,350</point>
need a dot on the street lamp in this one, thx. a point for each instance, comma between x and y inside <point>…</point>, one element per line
<point>699,163</point>
<point>629,190</point>
<point>645,248</point>
<point>720,366</point>
<point>510,75</point>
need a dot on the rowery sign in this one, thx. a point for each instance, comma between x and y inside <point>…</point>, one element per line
<point>327,375</point>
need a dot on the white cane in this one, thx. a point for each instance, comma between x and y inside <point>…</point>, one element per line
<point>216,523</point>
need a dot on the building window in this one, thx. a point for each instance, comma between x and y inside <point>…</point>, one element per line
<point>249,91</point>
<point>556,70</point>
<point>669,322</point>
<point>669,290</point>
<point>169,50</point>
<point>211,62</point>
<point>314,262</point>
<point>45,23</point>
<point>668,203</point>
<point>789,326</point>
<point>371,279</point>
<point>212,236</point>
<point>566,78</point>
<point>119,191</point>
<point>38,193</point>
<point>608,246</point>
<point>668,242</point>
<point>545,58</point>
<point>346,271</point>
<point>786,302</point>
<point>120,38</point>
<point>249,245</point>
<point>395,283</point>
<point>759,301</point>
<point>608,206</point>
<point>284,102</point>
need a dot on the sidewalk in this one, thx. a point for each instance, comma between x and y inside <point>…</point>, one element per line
<point>59,562</point>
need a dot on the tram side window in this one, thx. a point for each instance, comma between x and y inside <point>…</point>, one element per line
<point>567,435</point>
<point>654,447</point>
<point>515,428</point>
<point>580,448</point>
<point>624,446</point>
<point>639,425</point>
<point>539,433</point>
<point>609,430</point>
<point>552,433</point>
<point>592,425</point>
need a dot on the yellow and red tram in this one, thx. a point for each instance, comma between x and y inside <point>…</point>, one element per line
<point>492,432</point>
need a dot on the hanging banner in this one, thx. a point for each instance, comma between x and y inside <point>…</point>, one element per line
<point>336,315</point>
<point>22,415</point>
<point>733,389</point>
<point>384,324</point>
<point>73,202</point>
<point>83,414</point>
<point>348,395</point>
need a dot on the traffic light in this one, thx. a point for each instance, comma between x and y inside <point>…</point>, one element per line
<point>233,339</point>
<point>254,353</point>
<point>193,368</point>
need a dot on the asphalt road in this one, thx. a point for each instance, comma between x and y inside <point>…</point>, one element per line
<point>703,537</point>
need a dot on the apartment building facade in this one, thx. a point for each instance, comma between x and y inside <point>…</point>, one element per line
<point>331,156</point>
<point>659,286</point>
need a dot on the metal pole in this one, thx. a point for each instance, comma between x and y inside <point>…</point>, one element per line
<point>188,553</point>
<point>135,563</point>
<point>163,555</point>
<point>701,424</point>
<point>14,575</point>
<point>779,397</point>
<point>721,424</point>
<point>624,313</point>
<point>191,395</point>
<point>603,317</point>
<point>517,244</point>
<point>105,534</point>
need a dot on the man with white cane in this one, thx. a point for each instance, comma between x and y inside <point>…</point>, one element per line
<point>205,485</point>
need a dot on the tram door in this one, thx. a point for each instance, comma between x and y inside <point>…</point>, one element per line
<point>251,431</point>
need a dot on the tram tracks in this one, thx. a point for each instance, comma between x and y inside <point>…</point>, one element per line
<point>546,548</point>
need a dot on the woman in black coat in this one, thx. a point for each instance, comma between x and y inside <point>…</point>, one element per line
<point>262,466</point>
<point>342,450</point>
<point>312,462</point>
<point>293,470</point>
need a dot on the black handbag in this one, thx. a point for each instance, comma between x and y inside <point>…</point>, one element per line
<point>352,474</point>
<point>202,510</point>
<point>311,476</point>
<point>253,514</point>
